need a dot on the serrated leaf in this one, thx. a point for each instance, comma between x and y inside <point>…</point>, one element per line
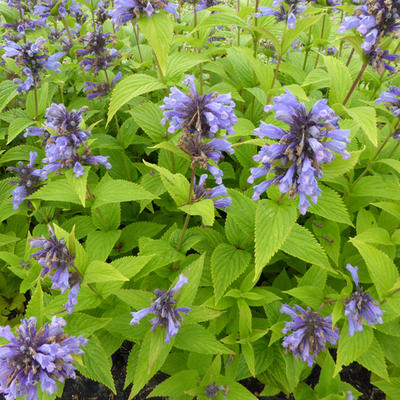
<point>196,338</point>
<point>99,244</point>
<point>178,63</point>
<point>381,268</point>
<point>8,90</point>
<point>118,190</point>
<point>148,116</point>
<point>339,77</point>
<point>311,295</point>
<point>194,273</point>
<point>365,117</point>
<point>331,206</point>
<point>98,271</point>
<point>272,227</point>
<point>227,264</point>
<point>84,324</point>
<point>176,385</point>
<point>78,184</point>
<point>377,187</point>
<point>158,30</point>
<point>129,88</point>
<point>302,244</point>
<point>374,360</point>
<point>204,208</point>
<point>352,347</point>
<point>57,190</point>
<point>35,307</point>
<point>17,126</point>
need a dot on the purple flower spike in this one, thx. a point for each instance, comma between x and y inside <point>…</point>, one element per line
<point>192,113</point>
<point>29,180</point>
<point>200,192</point>
<point>296,160</point>
<point>164,307</point>
<point>360,306</point>
<point>286,14</point>
<point>36,356</point>
<point>310,331</point>
<point>392,100</point>
<point>212,390</point>
<point>56,260</point>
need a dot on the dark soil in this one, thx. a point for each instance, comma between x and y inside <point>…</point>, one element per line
<point>85,389</point>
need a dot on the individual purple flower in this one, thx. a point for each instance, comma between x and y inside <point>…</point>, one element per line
<point>45,8</point>
<point>36,355</point>
<point>310,331</point>
<point>200,192</point>
<point>164,307</point>
<point>375,19</point>
<point>206,114</point>
<point>392,100</point>
<point>331,51</point>
<point>360,306</point>
<point>126,10</point>
<point>67,147</point>
<point>287,14</point>
<point>204,4</point>
<point>212,390</point>
<point>94,90</point>
<point>57,260</point>
<point>33,59</point>
<point>29,180</point>
<point>379,59</point>
<point>102,14</point>
<point>296,160</point>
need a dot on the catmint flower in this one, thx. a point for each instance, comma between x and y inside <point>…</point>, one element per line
<point>67,147</point>
<point>29,180</point>
<point>36,355</point>
<point>192,113</point>
<point>377,59</point>
<point>374,20</point>
<point>212,390</point>
<point>296,160</point>
<point>56,260</point>
<point>200,193</point>
<point>98,56</point>
<point>331,51</point>
<point>287,14</point>
<point>94,90</point>
<point>164,307</point>
<point>101,13</point>
<point>204,4</point>
<point>392,100</point>
<point>360,306</point>
<point>33,58</point>
<point>310,331</point>
<point>126,10</point>
<point>59,9</point>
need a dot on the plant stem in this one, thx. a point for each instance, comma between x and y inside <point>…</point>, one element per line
<point>255,41</point>
<point>394,150</point>
<point>350,57</point>
<point>93,18</point>
<point>198,50</point>
<point>281,198</point>
<point>322,36</point>
<point>136,32</point>
<point>307,49</point>
<point>68,31</point>
<point>238,33</point>
<point>375,157</point>
<point>36,102</point>
<point>107,80</point>
<point>354,85</point>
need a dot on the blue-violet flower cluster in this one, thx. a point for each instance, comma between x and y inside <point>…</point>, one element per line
<point>164,307</point>
<point>392,100</point>
<point>288,14</point>
<point>296,160</point>
<point>310,331</point>
<point>36,355</point>
<point>200,192</point>
<point>56,260</point>
<point>67,148</point>
<point>360,306</point>
<point>29,180</point>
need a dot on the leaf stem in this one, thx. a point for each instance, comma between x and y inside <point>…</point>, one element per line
<point>136,32</point>
<point>307,49</point>
<point>350,57</point>
<point>198,50</point>
<point>255,41</point>
<point>322,36</point>
<point>355,83</point>
<point>36,102</point>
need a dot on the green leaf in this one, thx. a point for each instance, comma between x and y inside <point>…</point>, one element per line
<point>204,208</point>
<point>302,244</point>
<point>227,264</point>
<point>129,88</point>
<point>395,164</point>
<point>381,268</point>
<point>131,234</point>
<point>98,271</point>
<point>248,353</point>
<point>84,324</point>
<point>196,338</point>
<point>8,90</point>
<point>176,385</point>
<point>148,116</point>
<point>35,307</point>
<point>391,389</point>
<point>340,79</point>
<point>311,295</point>
<point>194,273</point>
<point>178,63</point>
<point>331,206</point>
<point>377,187</point>
<point>17,126</point>
<point>221,19</point>
<point>8,239</point>
<point>10,14</point>
<point>272,227</point>
<point>96,365</point>
<point>99,244</point>
<point>242,211</point>
<point>78,184</point>
<point>118,190</point>
<point>42,99</point>
<point>352,347</point>
<point>57,190</point>
<point>365,117</point>
<point>159,33</point>
<point>374,360</point>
